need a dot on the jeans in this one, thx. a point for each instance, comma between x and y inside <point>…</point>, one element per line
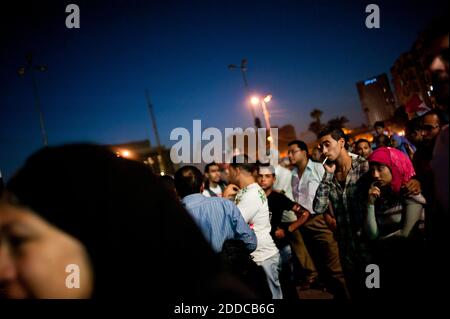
<point>272,268</point>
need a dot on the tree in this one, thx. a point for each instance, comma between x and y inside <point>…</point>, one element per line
<point>316,125</point>
<point>338,122</point>
<point>316,114</point>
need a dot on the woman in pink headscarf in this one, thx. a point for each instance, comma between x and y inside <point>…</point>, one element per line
<point>393,221</point>
<point>391,212</point>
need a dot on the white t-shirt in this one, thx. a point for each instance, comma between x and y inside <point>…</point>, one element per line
<point>217,190</point>
<point>283,184</point>
<point>252,202</point>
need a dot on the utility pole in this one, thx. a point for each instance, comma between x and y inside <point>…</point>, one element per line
<point>243,68</point>
<point>155,130</point>
<point>30,67</point>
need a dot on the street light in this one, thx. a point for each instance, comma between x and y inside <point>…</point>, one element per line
<point>255,101</point>
<point>243,69</point>
<point>42,68</point>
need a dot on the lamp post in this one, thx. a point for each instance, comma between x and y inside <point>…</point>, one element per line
<point>255,101</point>
<point>243,68</point>
<point>31,68</point>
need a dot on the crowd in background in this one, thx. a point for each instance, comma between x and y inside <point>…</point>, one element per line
<point>243,229</point>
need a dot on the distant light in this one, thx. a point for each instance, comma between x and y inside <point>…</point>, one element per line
<point>267,98</point>
<point>429,93</point>
<point>367,82</point>
<point>126,153</point>
<point>21,71</point>
<point>254,100</point>
<point>401,133</point>
<point>162,173</point>
<point>269,138</point>
<point>431,88</point>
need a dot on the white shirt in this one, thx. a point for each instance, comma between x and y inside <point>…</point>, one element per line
<point>283,184</point>
<point>309,182</point>
<point>252,202</point>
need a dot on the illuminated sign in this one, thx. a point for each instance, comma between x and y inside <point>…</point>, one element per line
<point>367,82</point>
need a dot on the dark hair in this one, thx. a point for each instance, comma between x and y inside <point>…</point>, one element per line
<point>188,180</point>
<point>209,165</point>
<point>413,124</point>
<point>109,204</point>
<point>379,124</point>
<point>243,162</point>
<point>301,145</point>
<point>169,183</point>
<point>382,140</point>
<point>335,132</point>
<point>439,115</point>
<point>362,140</point>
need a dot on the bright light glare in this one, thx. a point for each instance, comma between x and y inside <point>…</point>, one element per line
<point>267,98</point>
<point>254,100</point>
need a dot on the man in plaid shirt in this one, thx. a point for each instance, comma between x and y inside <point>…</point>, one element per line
<point>343,186</point>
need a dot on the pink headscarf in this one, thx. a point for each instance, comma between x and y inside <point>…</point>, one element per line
<point>398,162</point>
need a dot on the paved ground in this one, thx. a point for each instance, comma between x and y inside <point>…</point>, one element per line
<point>313,294</point>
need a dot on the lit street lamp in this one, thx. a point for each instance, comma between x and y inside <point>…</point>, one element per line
<point>31,68</point>
<point>255,101</point>
<point>243,69</point>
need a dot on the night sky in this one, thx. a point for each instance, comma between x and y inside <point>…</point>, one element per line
<point>307,54</point>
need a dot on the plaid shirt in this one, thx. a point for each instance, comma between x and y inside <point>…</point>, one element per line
<point>349,204</point>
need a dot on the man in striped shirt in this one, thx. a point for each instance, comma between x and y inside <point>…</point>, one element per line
<point>219,219</point>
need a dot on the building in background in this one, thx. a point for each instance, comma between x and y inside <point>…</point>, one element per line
<point>376,98</point>
<point>157,158</point>
<point>409,76</point>
<point>286,134</point>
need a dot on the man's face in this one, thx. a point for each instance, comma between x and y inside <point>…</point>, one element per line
<point>379,130</point>
<point>296,155</point>
<point>438,68</point>
<point>363,149</point>
<point>316,155</point>
<point>266,181</point>
<point>233,175</point>
<point>330,147</point>
<point>213,174</point>
<point>430,127</point>
<point>414,137</point>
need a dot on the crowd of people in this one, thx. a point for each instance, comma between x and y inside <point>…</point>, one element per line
<point>242,229</point>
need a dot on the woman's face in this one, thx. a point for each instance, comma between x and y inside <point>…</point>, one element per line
<point>34,257</point>
<point>381,174</point>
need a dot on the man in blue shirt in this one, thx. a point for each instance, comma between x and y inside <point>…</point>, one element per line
<point>219,219</point>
